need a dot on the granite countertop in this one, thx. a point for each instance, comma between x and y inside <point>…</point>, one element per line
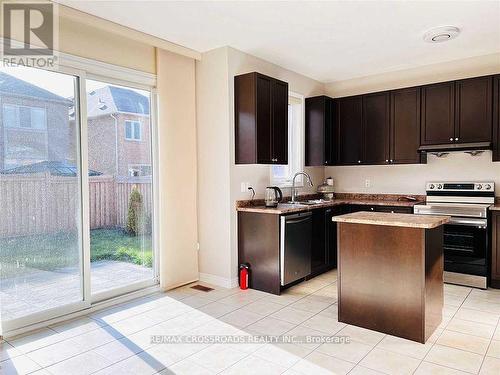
<point>285,208</point>
<point>393,220</point>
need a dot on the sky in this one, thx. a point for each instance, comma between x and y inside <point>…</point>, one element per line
<point>57,83</point>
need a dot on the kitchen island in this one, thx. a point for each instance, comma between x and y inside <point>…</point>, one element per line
<point>391,272</point>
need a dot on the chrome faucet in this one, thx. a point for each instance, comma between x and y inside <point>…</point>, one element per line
<point>294,189</point>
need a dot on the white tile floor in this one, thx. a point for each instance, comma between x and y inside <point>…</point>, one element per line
<point>118,340</point>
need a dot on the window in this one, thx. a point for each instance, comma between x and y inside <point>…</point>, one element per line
<point>282,175</point>
<point>132,130</point>
<point>24,117</point>
<point>25,134</point>
<point>137,170</point>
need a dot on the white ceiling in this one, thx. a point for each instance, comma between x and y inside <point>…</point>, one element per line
<point>328,41</point>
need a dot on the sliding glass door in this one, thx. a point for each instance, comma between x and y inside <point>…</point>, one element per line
<point>40,195</point>
<point>76,192</point>
<point>120,186</point>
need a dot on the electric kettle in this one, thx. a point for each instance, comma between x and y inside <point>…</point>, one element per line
<point>273,196</point>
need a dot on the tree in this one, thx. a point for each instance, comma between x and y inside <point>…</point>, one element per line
<point>135,213</point>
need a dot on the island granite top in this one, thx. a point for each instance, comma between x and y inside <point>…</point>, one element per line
<point>394,220</point>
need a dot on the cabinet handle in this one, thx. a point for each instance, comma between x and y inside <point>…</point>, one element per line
<point>359,161</point>
<point>451,139</point>
<point>456,139</point>
<point>386,160</point>
<point>371,208</point>
<point>391,160</point>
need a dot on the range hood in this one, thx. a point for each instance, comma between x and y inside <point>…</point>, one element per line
<point>447,147</point>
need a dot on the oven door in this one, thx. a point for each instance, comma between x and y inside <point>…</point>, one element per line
<point>465,246</point>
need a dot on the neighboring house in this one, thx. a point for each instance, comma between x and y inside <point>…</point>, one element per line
<point>119,132</point>
<point>29,117</point>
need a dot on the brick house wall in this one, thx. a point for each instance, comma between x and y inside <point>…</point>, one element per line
<point>57,138</point>
<point>111,154</point>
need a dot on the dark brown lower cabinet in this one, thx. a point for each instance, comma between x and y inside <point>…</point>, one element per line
<point>495,249</point>
<point>324,240</point>
<point>377,208</point>
<point>259,243</point>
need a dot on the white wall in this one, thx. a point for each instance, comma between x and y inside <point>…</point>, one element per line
<point>259,175</point>
<point>411,179</point>
<point>448,71</point>
<point>219,179</point>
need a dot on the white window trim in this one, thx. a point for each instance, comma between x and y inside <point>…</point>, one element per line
<point>85,69</point>
<point>133,139</point>
<point>297,149</point>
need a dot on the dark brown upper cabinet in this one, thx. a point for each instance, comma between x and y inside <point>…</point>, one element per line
<point>438,114</point>
<point>320,142</point>
<point>261,119</point>
<point>350,130</point>
<point>376,116</point>
<point>405,126</point>
<point>496,118</point>
<point>473,110</point>
<point>457,112</point>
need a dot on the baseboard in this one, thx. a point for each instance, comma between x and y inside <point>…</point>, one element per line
<point>218,280</point>
<point>178,285</point>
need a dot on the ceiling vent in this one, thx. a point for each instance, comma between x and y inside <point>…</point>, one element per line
<point>441,34</point>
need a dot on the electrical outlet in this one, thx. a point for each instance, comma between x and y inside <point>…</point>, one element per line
<point>368,183</point>
<point>244,187</point>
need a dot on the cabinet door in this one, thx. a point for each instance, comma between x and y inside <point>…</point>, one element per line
<point>318,251</point>
<point>473,110</point>
<point>495,249</point>
<point>331,235</point>
<point>376,128</point>
<point>350,130</point>
<point>405,126</point>
<point>438,114</point>
<point>315,153</point>
<point>280,122</point>
<point>264,116</point>
<point>330,132</point>
<point>496,118</point>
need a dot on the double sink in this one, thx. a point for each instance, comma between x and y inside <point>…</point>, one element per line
<point>310,202</point>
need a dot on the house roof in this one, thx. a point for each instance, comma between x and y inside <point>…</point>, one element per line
<point>10,85</point>
<point>112,99</point>
<point>55,168</point>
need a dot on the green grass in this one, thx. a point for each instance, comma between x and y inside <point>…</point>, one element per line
<point>116,244</point>
<point>59,250</point>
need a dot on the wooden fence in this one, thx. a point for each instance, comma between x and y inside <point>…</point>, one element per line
<point>41,203</point>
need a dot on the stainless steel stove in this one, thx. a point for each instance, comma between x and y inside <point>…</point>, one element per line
<point>465,243</point>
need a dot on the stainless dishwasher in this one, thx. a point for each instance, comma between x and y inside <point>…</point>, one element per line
<point>295,246</point>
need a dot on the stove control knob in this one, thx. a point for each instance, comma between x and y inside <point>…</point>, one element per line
<point>479,187</point>
<point>431,186</point>
<point>440,186</point>
<point>487,187</point>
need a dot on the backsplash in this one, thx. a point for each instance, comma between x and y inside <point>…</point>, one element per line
<point>411,179</point>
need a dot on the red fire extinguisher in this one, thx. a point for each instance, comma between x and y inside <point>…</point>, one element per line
<point>244,271</point>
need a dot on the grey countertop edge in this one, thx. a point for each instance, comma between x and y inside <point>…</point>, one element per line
<point>393,220</point>
<point>337,202</point>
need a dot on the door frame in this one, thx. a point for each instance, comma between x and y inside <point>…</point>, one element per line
<point>83,69</point>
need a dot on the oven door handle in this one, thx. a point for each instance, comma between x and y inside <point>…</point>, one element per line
<point>478,223</point>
